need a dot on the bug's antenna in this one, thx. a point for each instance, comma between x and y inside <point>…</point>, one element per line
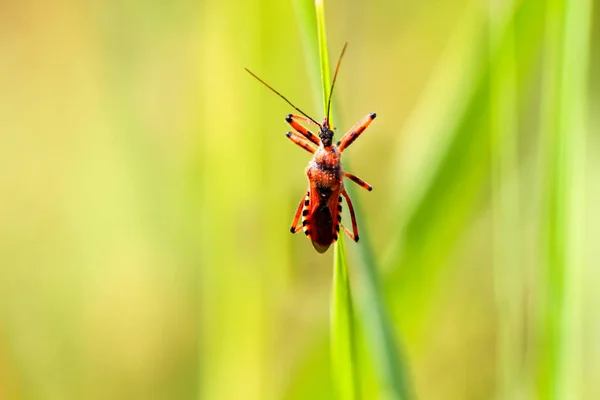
<point>282,96</point>
<point>334,78</point>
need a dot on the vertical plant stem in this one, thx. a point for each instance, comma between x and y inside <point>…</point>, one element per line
<point>553,219</point>
<point>375,318</point>
<point>567,47</point>
<point>342,315</point>
<point>323,53</point>
<point>343,354</point>
<point>379,330</point>
<point>573,106</point>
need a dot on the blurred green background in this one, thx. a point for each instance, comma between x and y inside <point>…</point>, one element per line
<point>147,190</point>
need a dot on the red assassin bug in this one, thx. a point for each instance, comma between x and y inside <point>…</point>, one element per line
<point>321,208</point>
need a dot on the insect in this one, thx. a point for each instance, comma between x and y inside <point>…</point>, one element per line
<point>321,207</point>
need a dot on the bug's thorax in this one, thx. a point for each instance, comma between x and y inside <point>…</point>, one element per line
<point>325,168</point>
<point>327,155</point>
<point>327,158</point>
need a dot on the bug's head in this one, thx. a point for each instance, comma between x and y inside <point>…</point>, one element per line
<point>326,134</point>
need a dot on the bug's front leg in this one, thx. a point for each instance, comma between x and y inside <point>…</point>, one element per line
<point>303,203</point>
<point>294,120</point>
<point>355,132</point>
<point>352,216</point>
<point>300,141</point>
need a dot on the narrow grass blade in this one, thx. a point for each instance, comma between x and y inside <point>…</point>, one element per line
<point>574,104</point>
<point>343,353</point>
<point>553,228</point>
<point>323,53</point>
<point>379,330</point>
<point>342,315</point>
<point>392,370</point>
<point>563,133</point>
<point>307,22</point>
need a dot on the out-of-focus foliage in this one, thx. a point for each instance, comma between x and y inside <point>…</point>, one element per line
<point>147,190</point>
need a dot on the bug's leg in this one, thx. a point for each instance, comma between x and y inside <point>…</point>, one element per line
<point>352,216</point>
<point>300,141</point>
<point>350,234</point>
<point>293,121</point>
<point>355,132</point>
<point>303,203</point>
<point>358,181</point>
<point>302,119</point>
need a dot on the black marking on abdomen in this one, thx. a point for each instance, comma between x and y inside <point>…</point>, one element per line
<point>324,194</point>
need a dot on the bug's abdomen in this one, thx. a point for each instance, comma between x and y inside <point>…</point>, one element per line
<point>322,223</point>
<point>322,228</point>
<point>323,216</point>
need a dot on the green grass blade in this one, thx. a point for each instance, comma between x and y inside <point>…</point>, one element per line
<point>342,316</point>
<point>323,53</point>
<point>563,133</point>
<point>574,104</point>
<point>305,15</point>
<point>553,228</point>
<point>553,218</point>
<point>343,353</point>
<point>375,320</point>
<point>379,330</point>
<point>429,232</point>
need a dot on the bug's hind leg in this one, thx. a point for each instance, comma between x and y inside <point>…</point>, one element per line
<point>303,203</point>
<point>358,181</point>
<point>300,141</point>
<point>355,132</point>
<point>350,234</point>
<point>353,236</point>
